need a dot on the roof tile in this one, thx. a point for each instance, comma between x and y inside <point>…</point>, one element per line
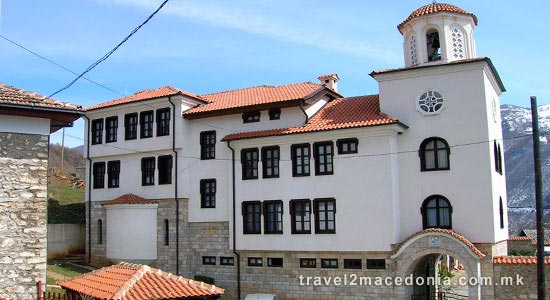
<point>129,199</point>
<point>13,95</point>
<point>436,8</point>
<point>519,260</point>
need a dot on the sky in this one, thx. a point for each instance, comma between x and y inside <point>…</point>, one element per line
<point>213,45</point>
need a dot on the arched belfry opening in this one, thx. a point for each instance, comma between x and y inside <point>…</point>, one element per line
<point>433,45</point>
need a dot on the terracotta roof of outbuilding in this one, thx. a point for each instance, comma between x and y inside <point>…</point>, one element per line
<point>127,281</point>
<point>519,260</point>
<point>254,96</point>
<point>451,233</point>
<point>164,91</point>
<point>15,96</point>
<point>436,8</point>
<point>520,238</point>
<point>129,199</point>
<point>361,111</point>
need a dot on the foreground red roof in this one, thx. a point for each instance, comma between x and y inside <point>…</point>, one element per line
<point>519,260</point>
<point>129,199</point>
<point>341,113</point>
<point>14,96</point>
<point>436,8</point>
<point>164,91</point>
<point>255,96</point>
<point>138,282</point>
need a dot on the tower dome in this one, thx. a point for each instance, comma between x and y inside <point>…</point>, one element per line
<point>438,33</point>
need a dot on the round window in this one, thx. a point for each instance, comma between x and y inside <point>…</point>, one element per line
<point>430,102</point>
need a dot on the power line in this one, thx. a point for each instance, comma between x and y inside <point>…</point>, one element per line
<point>95,64</point>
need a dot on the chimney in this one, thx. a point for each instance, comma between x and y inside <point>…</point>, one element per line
<point>330,81</point>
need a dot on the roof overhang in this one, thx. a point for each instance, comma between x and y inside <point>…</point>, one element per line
<point>59,117</point>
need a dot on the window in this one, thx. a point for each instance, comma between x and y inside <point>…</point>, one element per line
<point>130,126</point>
<point>111,129</point>
<point>148,171</point>
<point>323,158</point>
<point>208,193</point>
<point>378,264</point>
<point>434,154</point>
<point>436,212</point>
<point>249,161</point>
<point>165,169</point>
<point>146,123</point>
<point>430,103</point>
<point>275,262</point>
<point>209,260</point>
<point>251,117</point>
<point>352,264</point>
<point>498,158</point>
<point>208,145</point>
<point>501,213</point>
<point>113,174</point>
<point>252,212</point>
<point>163,121</point>
<point>270,162</point>
<point>99,175</point>
<point>300,160</point>
<point>325,213</point>
<point>273,216</point>
<point>100,231</point>
<point>255,262</point>
<point>347,146</point>
<point>275,114</point>
<point>329,263</point>
<point>300,214</point>
<point>433,45</point>
<point>97,131</point>
<point>227,261</point>
<point>166,232</point>
<point>308,263</point>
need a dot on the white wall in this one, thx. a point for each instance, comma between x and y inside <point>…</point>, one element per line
<point>19,124</point>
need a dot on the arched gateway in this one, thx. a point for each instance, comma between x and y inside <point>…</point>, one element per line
<point>425,253</point>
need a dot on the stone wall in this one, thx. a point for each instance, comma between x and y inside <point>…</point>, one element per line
<point>521,247</point>
<point>526,289</point>
<point>99,251</point>
<point>23,218</point>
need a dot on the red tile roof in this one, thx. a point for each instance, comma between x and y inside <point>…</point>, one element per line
<point>129,199</point>
<point>164,91</point>
<point>255,96</point>
<point>520,238</point>
<point>138,282</point>
<point>10,95</point>
<point>341,113</point>
<point>436,8</point>
<point>447,232</point>
<point>519,260</point>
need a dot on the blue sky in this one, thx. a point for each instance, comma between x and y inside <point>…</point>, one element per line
<point>212,45</point>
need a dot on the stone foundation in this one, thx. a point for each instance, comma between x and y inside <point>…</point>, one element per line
<point>23,218</point>
<point>526,290</point>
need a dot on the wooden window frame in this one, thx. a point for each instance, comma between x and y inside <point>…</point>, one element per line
<point>97,131</point>
<point>342,143</point>
<point>272,162</point>
<point>255,262</point>
<point>278,215</point>
<point>326,213</point>
<point>423,152</point>
<point>274,114</point>
<point>301,160</point>
<point>302,203</point>
<point>147,171</point>
<point>227,261</point>
<point>131,122</point>
<point>256,217</point>
<point>209,260</point>
<point>165,165</point>
<point>328,158</point>
<point>208,144</point>
<point>113,174</point>
<point>353,263</point>
<point>208,198</point>
<point>251,117</point>
<point>424,211</point>
<point>98,171</point>
<point>146,132</point>
<point>111,129</point>
<point>249,166</point>
<point>326,263</point>
<point>275,262</point>
<point>163,121</point>
<point>376,264</point>
<point>305,263</point>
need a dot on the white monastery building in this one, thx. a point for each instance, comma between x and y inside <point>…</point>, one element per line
<point>257,186</point>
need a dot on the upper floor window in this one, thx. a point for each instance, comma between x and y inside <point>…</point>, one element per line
<point>325,215</point>
<point>208,144</point>
<point>347,146</point>
<point>275,114</point>
<point>498,157</point>
<point>146,124</point>
<point>208,193</point>
<point>113,174</point>
<point>251,117</point>
<point>111,128</point>
<point>249,161</point>
<point>270,161</point>
<point>163,121</point>
<point>148,171</point>
<point>324,153</point>
<point>97,131</point>
<point>434,154</point>
<point>273,216</point>
<point>252,217</point>
<point>165,169</point>
<point>300,160</point>
<point>436,212</point>
<point>433,45</point>
<point>99,175</point>
<point>300,215</point>
<point>130,126</point>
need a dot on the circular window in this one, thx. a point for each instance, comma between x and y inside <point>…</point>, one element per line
<point>430,102</point>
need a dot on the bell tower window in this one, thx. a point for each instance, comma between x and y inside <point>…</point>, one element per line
<point>433,45</point>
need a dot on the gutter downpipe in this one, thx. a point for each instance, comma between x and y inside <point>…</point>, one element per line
<point>176,185</point>
<point>234,223</point>
<point>305,114</point>
<point>89,186</point>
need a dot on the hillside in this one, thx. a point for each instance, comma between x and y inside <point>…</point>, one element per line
<point>73,158</point>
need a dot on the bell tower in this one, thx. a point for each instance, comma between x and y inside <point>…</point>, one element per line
<point>438,33</point>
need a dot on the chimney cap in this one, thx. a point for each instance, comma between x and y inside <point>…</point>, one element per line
<point>329,76</point>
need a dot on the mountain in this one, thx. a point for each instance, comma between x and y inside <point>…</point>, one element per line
<point>518,155</point>
<point>73,157</point>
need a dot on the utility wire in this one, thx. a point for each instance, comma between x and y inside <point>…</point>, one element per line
<point>95,64</point>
